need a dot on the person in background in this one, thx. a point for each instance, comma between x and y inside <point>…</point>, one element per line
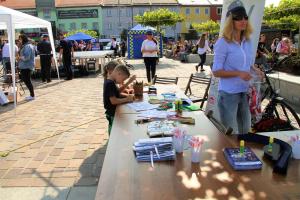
<point>65,56</point>
<point>111,93</point>
<point>274,45</point>
<point>233,64</point>
<point>262,45</point>
<point>211,45</point>
<point>149,50</point>
<point>284,47</point>
<point>202,49</point>
<point>123,48</point>
<point>114,46</point>
<point>88,46</point>
<point>6,57</point>
<point>26,64</point>
<point>44,50</point>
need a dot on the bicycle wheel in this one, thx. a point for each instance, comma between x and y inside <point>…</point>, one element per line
<point>286,112</point>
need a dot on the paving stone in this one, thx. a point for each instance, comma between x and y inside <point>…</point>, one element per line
<point>41,156</point>
<point>79,155</point>
<point>13,173</point>
<point>62,163</point>
<point>56,152</point>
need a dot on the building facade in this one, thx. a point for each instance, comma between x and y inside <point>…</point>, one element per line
<point>216,10</point>
<point>119,15</point>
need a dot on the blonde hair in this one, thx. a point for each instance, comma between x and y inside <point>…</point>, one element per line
<point>228,30</point>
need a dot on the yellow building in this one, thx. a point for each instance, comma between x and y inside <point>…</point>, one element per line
<point>193,11</point>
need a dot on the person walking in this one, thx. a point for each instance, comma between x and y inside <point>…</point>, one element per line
<point>149,50</point>
<point>26,64</point>
<point>123,48</point>
<point>232,64</point>
<point>65,55</point>
<point>203,47</point>
<point>44,50</point>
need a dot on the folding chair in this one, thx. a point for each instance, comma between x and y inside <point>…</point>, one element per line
<point>199,81</point>
<point>165,80</point>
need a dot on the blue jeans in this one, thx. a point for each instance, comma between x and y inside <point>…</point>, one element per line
<point>234,111</point>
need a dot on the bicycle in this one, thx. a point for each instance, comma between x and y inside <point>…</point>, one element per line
<point>278,115</point>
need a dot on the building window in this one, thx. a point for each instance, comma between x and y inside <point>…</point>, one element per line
<point>95,26</point>
<point>219,11</point>
<point>206,11</point>
<point>84,25</point>
<point>108,13</point>
<point>73,26</point>
<point>141,12</point>
<point>47,13</point>
<point>128,12</point>
<point>61,27</point>
<point>187,11</point>
<point>197,11</point>
<point>109,26</point>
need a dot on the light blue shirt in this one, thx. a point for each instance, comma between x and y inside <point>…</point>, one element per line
<point>28,54</point>
<point>231,56</point>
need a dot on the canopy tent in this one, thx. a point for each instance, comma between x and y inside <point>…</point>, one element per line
<point>80,36</point>
<point>11,19</point>
<point>135,38</point>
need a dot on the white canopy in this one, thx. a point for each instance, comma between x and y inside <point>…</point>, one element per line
<point>11,19</point>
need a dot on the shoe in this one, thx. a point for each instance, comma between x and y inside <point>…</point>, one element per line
<point>29,98</point>
<point>197,66</point>
<point>202,70</point>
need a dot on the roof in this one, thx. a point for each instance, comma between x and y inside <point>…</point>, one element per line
<point>139,2</point>
<point>77,3</point>
<point>216,2</point>
<point>17,4</point>
<point>139,27</point>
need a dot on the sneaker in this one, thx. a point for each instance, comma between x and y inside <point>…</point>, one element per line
<point>29,98</point>
<point>202,70</point>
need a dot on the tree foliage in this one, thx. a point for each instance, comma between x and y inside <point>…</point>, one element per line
<point>158,18</point>
<point>285,16</point>
<point>88,32</point>
<point>210,27</point>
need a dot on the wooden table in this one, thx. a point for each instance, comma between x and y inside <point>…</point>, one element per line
<point>122,177</point>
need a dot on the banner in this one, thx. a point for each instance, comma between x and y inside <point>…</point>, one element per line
<point>255,10</point>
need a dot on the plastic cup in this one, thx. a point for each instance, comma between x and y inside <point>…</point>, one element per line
<point>296,149</point>
<point>178,143</point>
<point>195,154</point>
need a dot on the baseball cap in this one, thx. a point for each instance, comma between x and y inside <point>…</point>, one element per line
<point>236,9</point>
<point>45,35</point>
<point>149,32</point>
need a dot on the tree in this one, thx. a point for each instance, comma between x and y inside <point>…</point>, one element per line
<point>192,34</point>
<point>158,18</point>
<point>88,32</point>
<point>286,16</point>
<point>210,27</point>
<point>124,34</point>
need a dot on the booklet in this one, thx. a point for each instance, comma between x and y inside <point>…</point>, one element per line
<point>246,161</point>
<point>161,128</point>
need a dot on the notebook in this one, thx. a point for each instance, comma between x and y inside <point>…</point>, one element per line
<point>246,161</point>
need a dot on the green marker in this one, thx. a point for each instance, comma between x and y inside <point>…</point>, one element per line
<point>270,146</point>
<point>242,147</point>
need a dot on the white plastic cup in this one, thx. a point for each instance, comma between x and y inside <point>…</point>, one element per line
<point>296,149</point>
<point>178,144</point>
<point>195,155</point>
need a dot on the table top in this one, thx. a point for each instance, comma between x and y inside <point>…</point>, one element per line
<point>92,54</point>
<point>122,177</point>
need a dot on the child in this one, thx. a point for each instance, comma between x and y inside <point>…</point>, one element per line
<point>109,68</point>
<point>111,93</point>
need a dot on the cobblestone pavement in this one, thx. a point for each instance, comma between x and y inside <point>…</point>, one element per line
<point>59,139</point>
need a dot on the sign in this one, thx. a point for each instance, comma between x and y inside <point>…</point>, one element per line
<point>71,14</point>
<point>255,10</point>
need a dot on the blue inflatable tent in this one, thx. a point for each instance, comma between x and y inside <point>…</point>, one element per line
<point>135,38</point>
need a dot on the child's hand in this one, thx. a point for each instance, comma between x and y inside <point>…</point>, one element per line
<point>130,98</point>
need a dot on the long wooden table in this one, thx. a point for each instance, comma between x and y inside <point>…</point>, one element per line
<point>122,177</point>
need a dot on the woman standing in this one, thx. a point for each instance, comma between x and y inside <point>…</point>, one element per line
<point>232,64</point>
<point>26,64</point>
<point>203,47</point>
<point>149,50</point>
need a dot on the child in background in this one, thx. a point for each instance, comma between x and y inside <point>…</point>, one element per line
<point>111,93</point>
<point>123,87</point>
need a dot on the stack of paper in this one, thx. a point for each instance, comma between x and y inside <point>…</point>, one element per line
<point>160,128</point>
<point>154,149</point>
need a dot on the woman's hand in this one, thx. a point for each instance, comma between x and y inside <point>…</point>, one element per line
<point>246,76</point>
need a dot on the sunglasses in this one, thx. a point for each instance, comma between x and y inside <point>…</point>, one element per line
<point>240,17</point>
